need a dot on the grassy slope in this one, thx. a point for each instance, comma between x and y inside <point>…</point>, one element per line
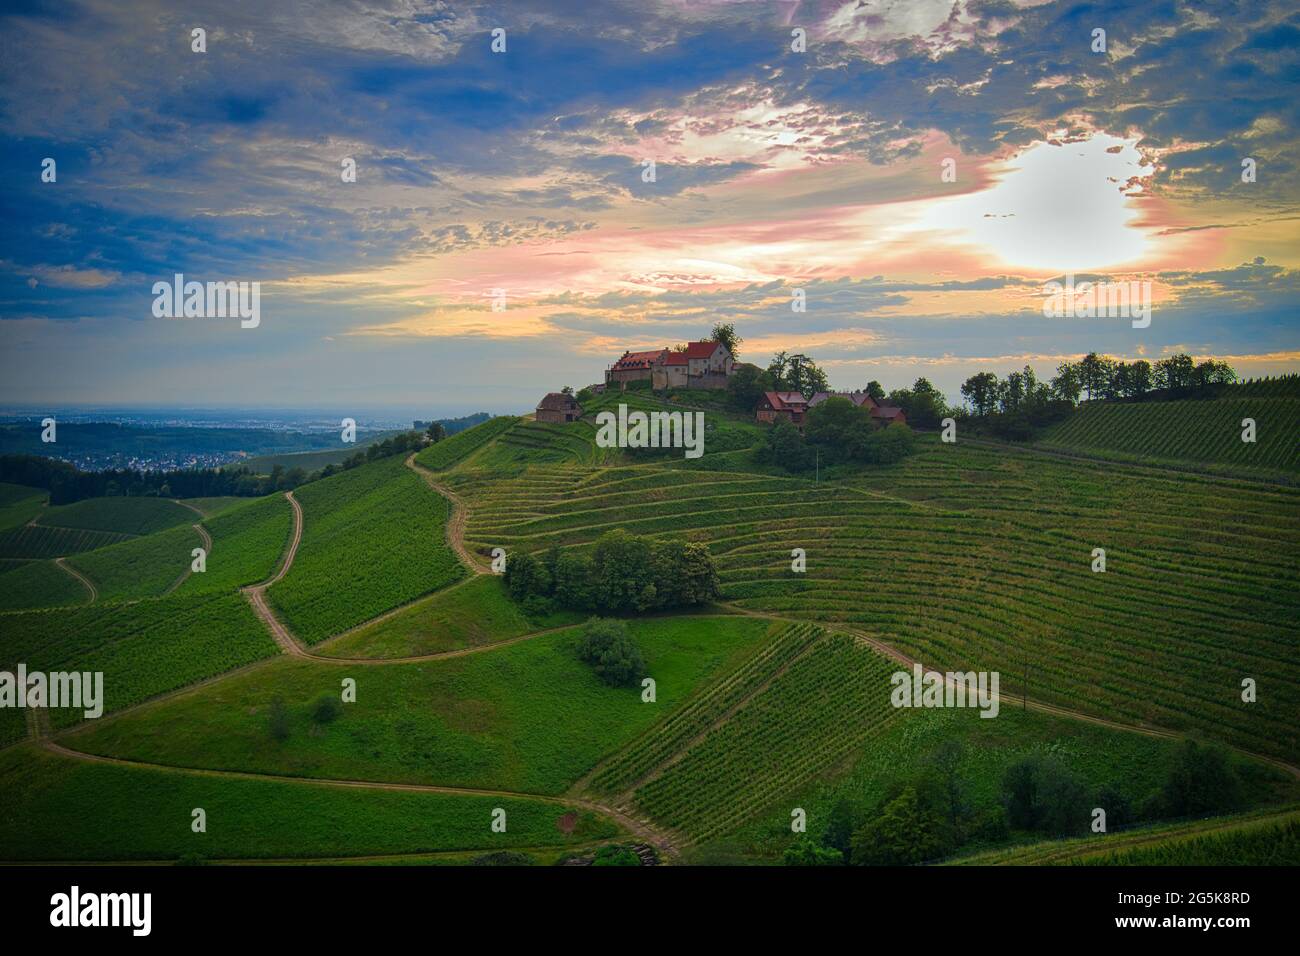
<point>529,718</point>
<point>1257,837</point>
<point>1188,430</point>
<point>247,542</point>
<point>1132,764</point>
<point>973,558</point>
<point>452,449</point>
<point>141,567</point>
<point>39,584</point>
<point>143,649</point>
<point>38,541</point>
<point>57,808</point>
<point>471,614</point>
<point>120,514</point>
<point>373,538</point>
<point>19,504</point>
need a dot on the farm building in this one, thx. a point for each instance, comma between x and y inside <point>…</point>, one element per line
<point>774,406</point>
<point>558,408</point>
<point>887,415</point>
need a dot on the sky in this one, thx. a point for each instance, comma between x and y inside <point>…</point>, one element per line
<point>916,170</point>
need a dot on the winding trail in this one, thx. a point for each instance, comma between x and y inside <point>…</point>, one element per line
<point>256,593</point>
<point>85,581</point>
<point>459,517</point>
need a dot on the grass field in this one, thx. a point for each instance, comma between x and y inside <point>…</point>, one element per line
<point>373,538</point>
<point>474,613</point>
<point>972,558</point>
<point>19,504</point>
<point>143,648</point>
<point>1188,430</point>
<point>35,584</point>
<point>38,541</point>
<point>134,516</point>
<point>57,808</point>
<point>454,448</point>
<point>528,718</point>
<point>140,567</point>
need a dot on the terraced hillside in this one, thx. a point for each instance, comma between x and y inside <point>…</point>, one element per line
<point>456,447</point>
<point>123,515</point>
<point>1190,430</point>
<point>971,558</point>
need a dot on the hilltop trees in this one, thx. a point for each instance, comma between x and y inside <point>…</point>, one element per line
<point>835,432</point>
<point>725,333</point>
<point>625,574</point>
<point>797,373</point>
<point>923,404</point>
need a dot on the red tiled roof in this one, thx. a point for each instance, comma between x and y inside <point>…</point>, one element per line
<point>791,400</point>
<point>639,359</point>
<point>886,411</point>
<point>700,350</point>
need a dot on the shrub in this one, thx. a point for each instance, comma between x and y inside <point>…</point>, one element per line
<point>614,657</point>
<point>328,709</point>
<point>615,856</point>
<point>808,853</point>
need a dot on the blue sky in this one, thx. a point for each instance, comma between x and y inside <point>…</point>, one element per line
<point>775,169</point>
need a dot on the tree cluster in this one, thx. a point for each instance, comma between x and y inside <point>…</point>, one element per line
<point>835,432</point>
<point>624,574</point>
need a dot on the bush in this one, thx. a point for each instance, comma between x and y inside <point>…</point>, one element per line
<point>328,709</point>
<point>1202,780</point>
<point>614,657</point>
<point>615,856</point>
<point>808,853</point>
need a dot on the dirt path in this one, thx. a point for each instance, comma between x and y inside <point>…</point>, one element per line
<point>256,593</point>
<point>459,517</point>
<point>85,581</point>
<point>207,550</point>
<point>186,504</point>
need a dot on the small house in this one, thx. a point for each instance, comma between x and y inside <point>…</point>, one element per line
<point>777,406</point>
<point>558,408</point>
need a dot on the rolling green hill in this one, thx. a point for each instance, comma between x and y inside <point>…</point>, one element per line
<point>1190,430</point>
<point>454,448</point>
<point>20,504</point>
<point>123,515</point>
<point>374,537</point>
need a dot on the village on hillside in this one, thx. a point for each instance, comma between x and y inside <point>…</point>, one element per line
<point>709,364</point>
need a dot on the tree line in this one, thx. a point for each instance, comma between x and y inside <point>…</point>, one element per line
<point>67,483</point>
<point>932,814</point>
